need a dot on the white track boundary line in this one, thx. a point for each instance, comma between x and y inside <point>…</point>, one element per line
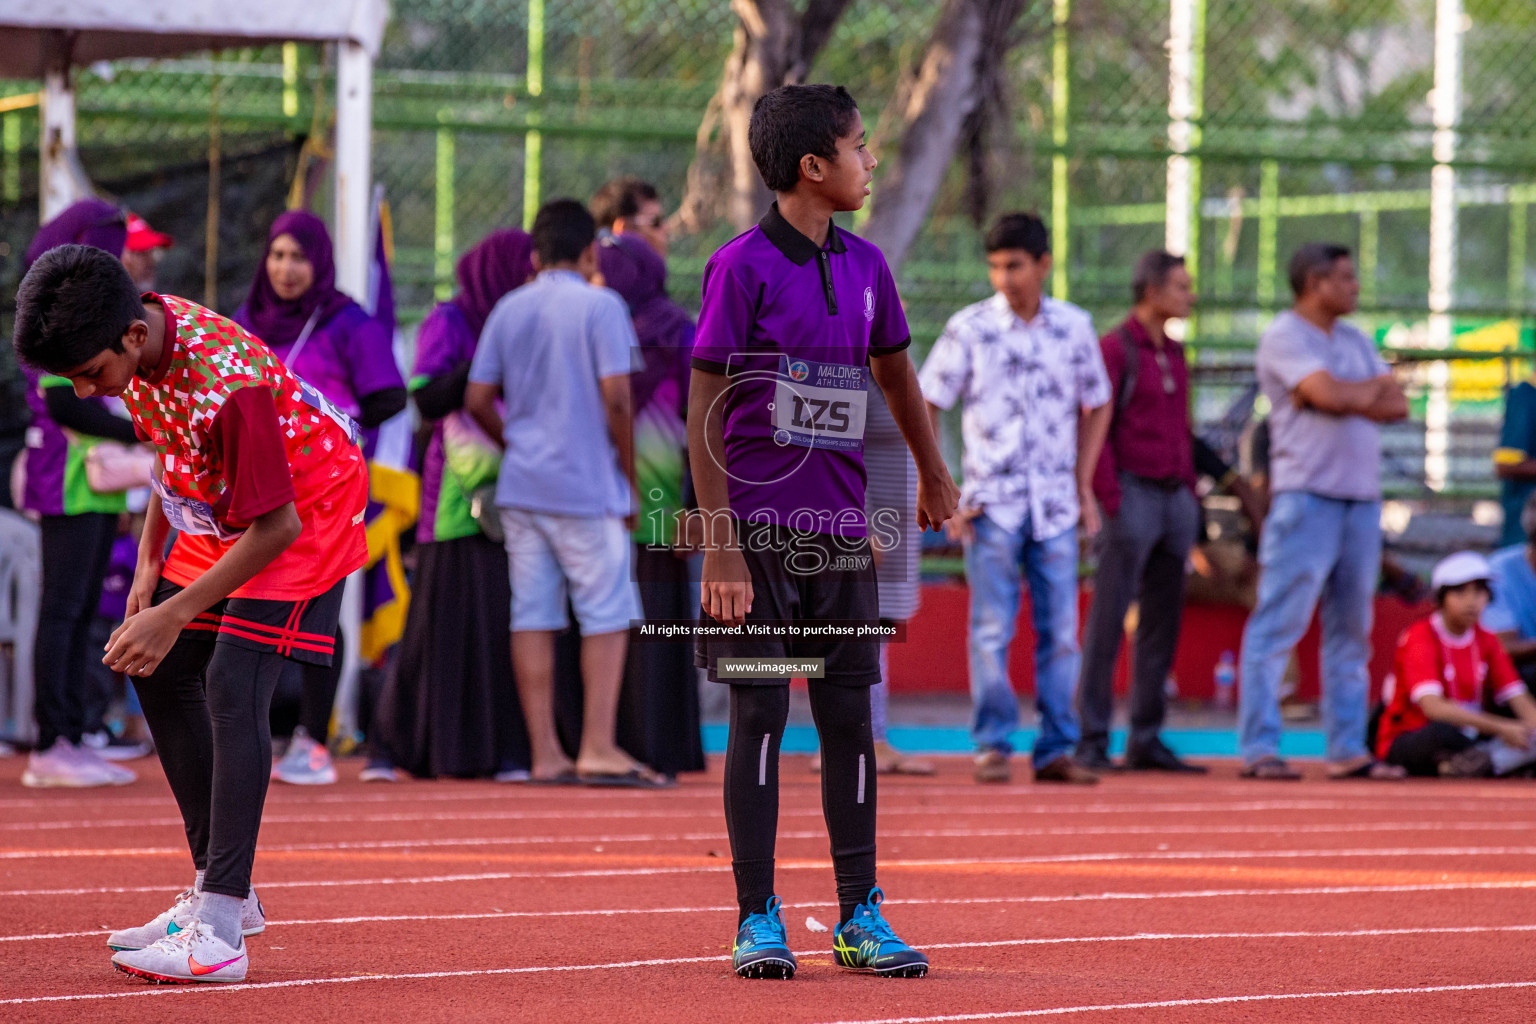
<point>500,915</point>
<point>1061,1011</point>
<point>951,833</point>
<point>1064,858</point>
<point>497,876</point>
<point>560,968</point>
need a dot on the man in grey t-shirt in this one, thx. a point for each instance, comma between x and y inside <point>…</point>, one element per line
<point>550,380</point>
<point>1329,390</point>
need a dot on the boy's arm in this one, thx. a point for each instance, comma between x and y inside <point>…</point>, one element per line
<point>1524,708</point>
<point>618,406</point>
<point>146,575</point>
<point>1438,709</point>
<point>480,402</point>
<point>937,494</point>
<point>726,591</point>
<point>259,492</point>
<point>1092,429</point>
<point>142,641</point>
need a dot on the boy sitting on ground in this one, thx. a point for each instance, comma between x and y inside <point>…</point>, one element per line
<point>1447,671</point>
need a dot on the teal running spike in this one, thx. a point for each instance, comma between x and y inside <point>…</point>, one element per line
<point>762,947</point>
<point>866,943</point>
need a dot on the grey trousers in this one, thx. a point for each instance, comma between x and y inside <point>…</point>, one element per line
<point>1143,551</point>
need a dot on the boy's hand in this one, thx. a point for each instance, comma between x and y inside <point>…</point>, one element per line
<point>959,527</point>
<point>1516,734</point>
<point>139,645</point>
<point>937,499</point>
<point>1093,520</point>
<point>141,595</point>
<point>726,592</point>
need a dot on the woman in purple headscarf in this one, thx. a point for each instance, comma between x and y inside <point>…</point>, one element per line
<point>79,527</point>
<point>450,707</point>
<point>333,344</point>
<point>658,720</point>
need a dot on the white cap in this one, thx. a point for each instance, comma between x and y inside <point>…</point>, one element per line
<point>1462,567</point>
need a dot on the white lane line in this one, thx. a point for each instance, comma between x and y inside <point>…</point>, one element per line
<point>1063,858</point>
<point>499,915</point>
<point>498,876</point>
<point>619,965</point>
<point>1164,1004</point>
<point>885,833</point>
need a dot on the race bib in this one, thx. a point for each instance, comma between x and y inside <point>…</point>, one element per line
<point>190,516</point>
<point>820,405</point>
<point>315,400</point>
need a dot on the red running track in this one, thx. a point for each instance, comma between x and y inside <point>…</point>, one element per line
<point>1144,899</point>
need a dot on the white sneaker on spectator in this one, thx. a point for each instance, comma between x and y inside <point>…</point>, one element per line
<point>192,954</point>
<point>66,765</point>
<point>114,748</point>
<point>513,775</point>
<point>306,763</point>
<point>253,921</point>
<point>379,773</point>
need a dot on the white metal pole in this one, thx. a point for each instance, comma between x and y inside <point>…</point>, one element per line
<point>354,172</point>
<point>1181,108</point>
<point>59,185</point>
<point>354,189</point>
<point>1446,112</point>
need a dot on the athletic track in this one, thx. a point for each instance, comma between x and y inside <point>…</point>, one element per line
<point>1145,899</point>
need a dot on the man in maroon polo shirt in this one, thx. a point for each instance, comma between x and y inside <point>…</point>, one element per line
<point>1145,483</point>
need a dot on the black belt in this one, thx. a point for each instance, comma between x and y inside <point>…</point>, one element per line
<point>1162,483</point>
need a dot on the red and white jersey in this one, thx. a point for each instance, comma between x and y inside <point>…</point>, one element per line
<point>236,435</point>
<point>1431,660</point>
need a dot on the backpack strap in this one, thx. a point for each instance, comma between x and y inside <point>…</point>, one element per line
<point>1130,371</point>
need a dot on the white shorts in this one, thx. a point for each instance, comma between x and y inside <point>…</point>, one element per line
<point>551,555</point>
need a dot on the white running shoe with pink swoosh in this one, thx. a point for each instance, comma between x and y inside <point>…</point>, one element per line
<point>191,955</point>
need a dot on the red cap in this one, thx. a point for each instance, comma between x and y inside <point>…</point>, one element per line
<point>142,237</point>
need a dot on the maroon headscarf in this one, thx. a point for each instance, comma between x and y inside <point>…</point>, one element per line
<point>501,262</point>
<point>278,322</point>
<point>88,222</point>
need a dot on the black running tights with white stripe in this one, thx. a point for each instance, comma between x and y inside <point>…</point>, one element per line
<point>758,717</point>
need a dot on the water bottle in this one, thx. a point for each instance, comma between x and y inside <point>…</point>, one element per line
<point>1226,680</point>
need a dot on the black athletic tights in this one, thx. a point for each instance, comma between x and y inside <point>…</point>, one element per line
<point>207,707</point>
<point>758,716</point>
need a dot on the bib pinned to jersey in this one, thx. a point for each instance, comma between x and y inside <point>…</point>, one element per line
<point>820,405</point>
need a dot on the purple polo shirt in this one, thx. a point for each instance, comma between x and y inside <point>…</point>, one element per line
<point>794,326</point>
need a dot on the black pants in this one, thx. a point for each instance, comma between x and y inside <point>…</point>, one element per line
<point>758,716</point>
<point>1422,750</point>
<point>76,552</point>
<point>1143,551</point>
<point>316,688</point>
<point>207,706</point>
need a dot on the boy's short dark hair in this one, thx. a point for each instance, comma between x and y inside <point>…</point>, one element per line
<point>561,230</point>
<point>621,199</point>
<point>1484,585</point>
<point>1313,258</point>
<point>75,303</point>
<point>794,120</point>
<point>1019,231</point>
<point>1152,271</point>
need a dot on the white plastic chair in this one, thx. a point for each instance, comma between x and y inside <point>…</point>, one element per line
<point>21,572</point>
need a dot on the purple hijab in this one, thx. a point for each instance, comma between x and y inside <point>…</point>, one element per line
<point>89,222</point>
<point>275,321</point>
<point>501,262</point>
<point>665,331</point>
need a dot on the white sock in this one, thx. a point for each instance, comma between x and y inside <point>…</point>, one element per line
<point>222,914</point>
<point>197,886</point>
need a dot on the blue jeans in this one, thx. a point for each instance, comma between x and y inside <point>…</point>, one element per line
<point>1314,548</point>
<point>994,562</point>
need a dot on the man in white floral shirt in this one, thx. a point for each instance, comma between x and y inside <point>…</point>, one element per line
<point>1036,410</point>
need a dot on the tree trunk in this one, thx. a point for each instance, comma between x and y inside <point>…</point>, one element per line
<point>937,107</point>
<point>774,45</point>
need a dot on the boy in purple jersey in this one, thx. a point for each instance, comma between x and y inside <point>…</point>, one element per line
<point>797,316</point>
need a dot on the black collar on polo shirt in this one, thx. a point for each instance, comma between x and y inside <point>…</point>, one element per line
<point>797,248</point>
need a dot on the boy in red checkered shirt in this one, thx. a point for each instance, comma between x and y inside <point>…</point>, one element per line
<point>1455,705</point>
<point>263,481</point>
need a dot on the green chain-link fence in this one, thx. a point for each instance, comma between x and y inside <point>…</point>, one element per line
<point>1307,119</point>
